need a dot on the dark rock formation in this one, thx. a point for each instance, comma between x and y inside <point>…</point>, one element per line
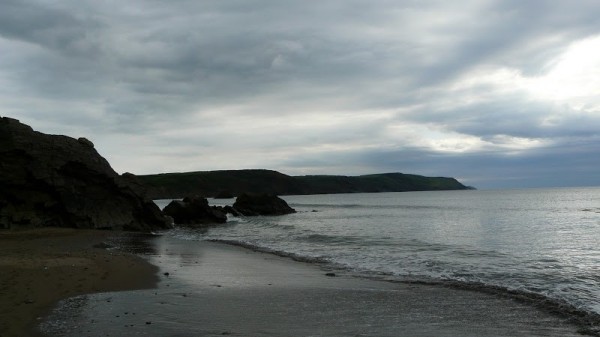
<point>263,204</point>
<point>194,211</point>
<point>230,210</point>
<point>49,180</point>
<point>224,195</point>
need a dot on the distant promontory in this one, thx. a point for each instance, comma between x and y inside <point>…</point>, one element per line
<point>236,182</point>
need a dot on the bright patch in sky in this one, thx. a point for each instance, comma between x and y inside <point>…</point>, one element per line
<point>572,78</point>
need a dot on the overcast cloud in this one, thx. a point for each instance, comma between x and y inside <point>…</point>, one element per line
<point>495,93</point>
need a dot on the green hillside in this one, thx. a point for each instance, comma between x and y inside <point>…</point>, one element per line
<point>385,182</point>
<point>212,183</point>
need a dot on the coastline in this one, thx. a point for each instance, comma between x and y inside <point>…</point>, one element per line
<point>39,267</point>
<point>213,289</point>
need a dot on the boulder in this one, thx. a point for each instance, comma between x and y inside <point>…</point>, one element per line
<point>230,210</point>
<point>194,211</point>
<point>261,204</point>
<point>51,180</point>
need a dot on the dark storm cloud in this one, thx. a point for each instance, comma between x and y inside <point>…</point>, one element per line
<point>339,86</point>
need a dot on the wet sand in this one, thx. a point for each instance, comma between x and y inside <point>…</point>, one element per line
<point>40,267</point>
<point>212,289</point>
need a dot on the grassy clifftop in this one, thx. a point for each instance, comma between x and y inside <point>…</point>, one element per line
<point>211,183</point>
<point>385,182</point>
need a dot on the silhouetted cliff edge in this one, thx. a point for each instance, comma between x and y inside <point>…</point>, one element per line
<point>50,180</point>
<point>236,182</point>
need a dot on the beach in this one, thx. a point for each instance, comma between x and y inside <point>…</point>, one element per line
<point>213,289</point>
<point>40,267</point>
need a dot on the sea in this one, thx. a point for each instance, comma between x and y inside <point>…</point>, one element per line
<point>539,245</point>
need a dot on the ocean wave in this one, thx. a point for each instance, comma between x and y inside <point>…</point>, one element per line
<point>587,321</point>
<point>593,210</point>
<point>330,239</point>
<point>317,206</point>
<point>236,219</point>
<point>263,249</point>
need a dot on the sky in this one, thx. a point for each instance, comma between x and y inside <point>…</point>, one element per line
<point>496,93</point>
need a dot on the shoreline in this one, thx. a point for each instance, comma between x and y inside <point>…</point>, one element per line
<point>587,322</point>
<point>211,289</point>
<point>40,267</point>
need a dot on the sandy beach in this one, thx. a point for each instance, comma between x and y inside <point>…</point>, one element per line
<point>212,289</point>
<point>40,267</point>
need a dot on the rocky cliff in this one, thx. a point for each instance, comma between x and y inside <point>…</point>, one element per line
<point>50,180</point>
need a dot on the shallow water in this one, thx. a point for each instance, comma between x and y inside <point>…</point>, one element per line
<point>214,289</point>
<point>539,242</point>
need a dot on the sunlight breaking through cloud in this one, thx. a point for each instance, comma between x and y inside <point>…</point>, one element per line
<point>573,78</point>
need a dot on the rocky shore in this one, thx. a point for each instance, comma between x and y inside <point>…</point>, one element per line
<point>59,181</point>
<point>55,193</point>
<point>196,212</point>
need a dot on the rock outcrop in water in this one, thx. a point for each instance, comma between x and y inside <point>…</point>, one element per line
<point>263,204</point>
<point>51,180</point>
<point>194,211</point>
